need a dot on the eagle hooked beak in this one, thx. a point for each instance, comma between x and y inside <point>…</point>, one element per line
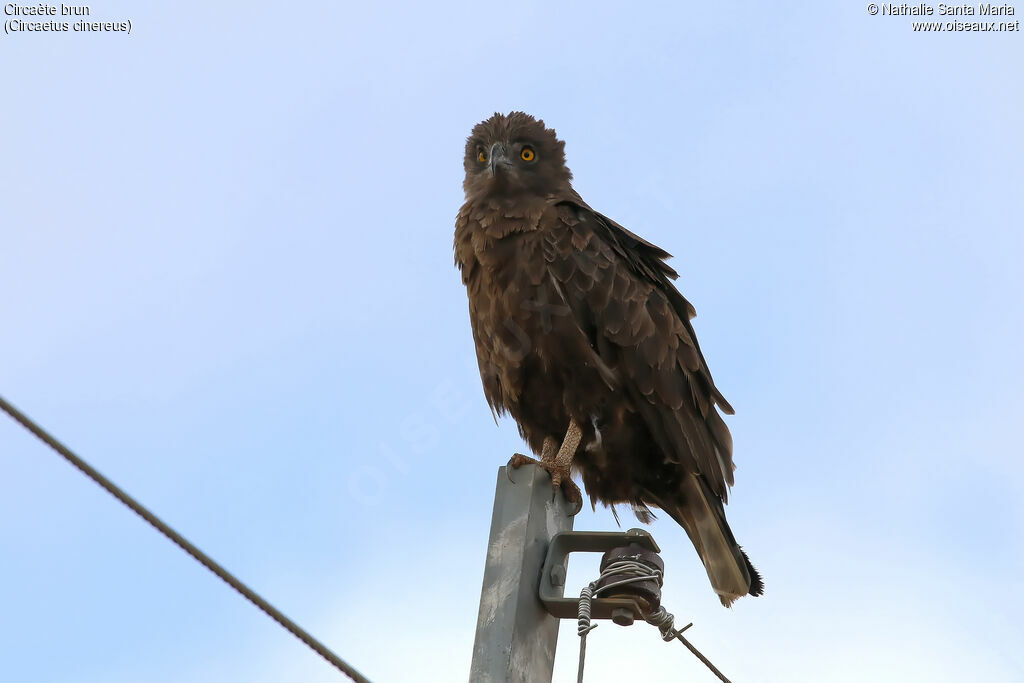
<point>498,157</point>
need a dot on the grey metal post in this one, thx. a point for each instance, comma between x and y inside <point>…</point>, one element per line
<point>515,635</point>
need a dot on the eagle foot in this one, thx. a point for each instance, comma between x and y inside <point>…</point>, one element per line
<point>560,478</point>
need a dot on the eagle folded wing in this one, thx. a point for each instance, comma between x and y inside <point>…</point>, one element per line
<point>639,326</point>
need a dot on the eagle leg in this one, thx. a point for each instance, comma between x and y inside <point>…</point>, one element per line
<point>558,463</point>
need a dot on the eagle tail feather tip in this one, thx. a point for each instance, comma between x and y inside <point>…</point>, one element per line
<point>729,569</point>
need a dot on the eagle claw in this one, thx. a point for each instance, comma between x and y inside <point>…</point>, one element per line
<point>559,479</point>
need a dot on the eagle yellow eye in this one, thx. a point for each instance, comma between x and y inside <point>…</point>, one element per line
<point>527,154</point>
<point>480,156</point>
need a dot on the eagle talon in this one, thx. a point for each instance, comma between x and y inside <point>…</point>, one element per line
<point>518,460</point>
<point>573,495</point>
<point>559,479</point>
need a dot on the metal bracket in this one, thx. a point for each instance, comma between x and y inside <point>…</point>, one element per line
<point>552,578</point>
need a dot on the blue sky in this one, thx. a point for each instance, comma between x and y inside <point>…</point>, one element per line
<point>225,258</point>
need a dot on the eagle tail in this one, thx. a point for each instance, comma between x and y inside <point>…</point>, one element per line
<point>700,512</point>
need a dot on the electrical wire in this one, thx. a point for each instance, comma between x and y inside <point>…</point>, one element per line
<point>183,543</point>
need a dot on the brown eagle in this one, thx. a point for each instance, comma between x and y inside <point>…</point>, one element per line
<point>583,339</point>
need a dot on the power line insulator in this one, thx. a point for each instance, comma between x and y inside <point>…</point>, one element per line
<point>646,592</point>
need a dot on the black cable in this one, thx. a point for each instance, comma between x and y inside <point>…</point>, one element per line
<point>184,544</point>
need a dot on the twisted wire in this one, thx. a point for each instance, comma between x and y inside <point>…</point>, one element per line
<point>632,571</point>
<point>664,621</point>
<point>583,625</point>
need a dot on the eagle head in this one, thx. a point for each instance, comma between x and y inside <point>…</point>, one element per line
<point>514,156</point>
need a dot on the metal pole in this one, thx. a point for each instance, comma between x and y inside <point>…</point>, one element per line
<point>515,635</point>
